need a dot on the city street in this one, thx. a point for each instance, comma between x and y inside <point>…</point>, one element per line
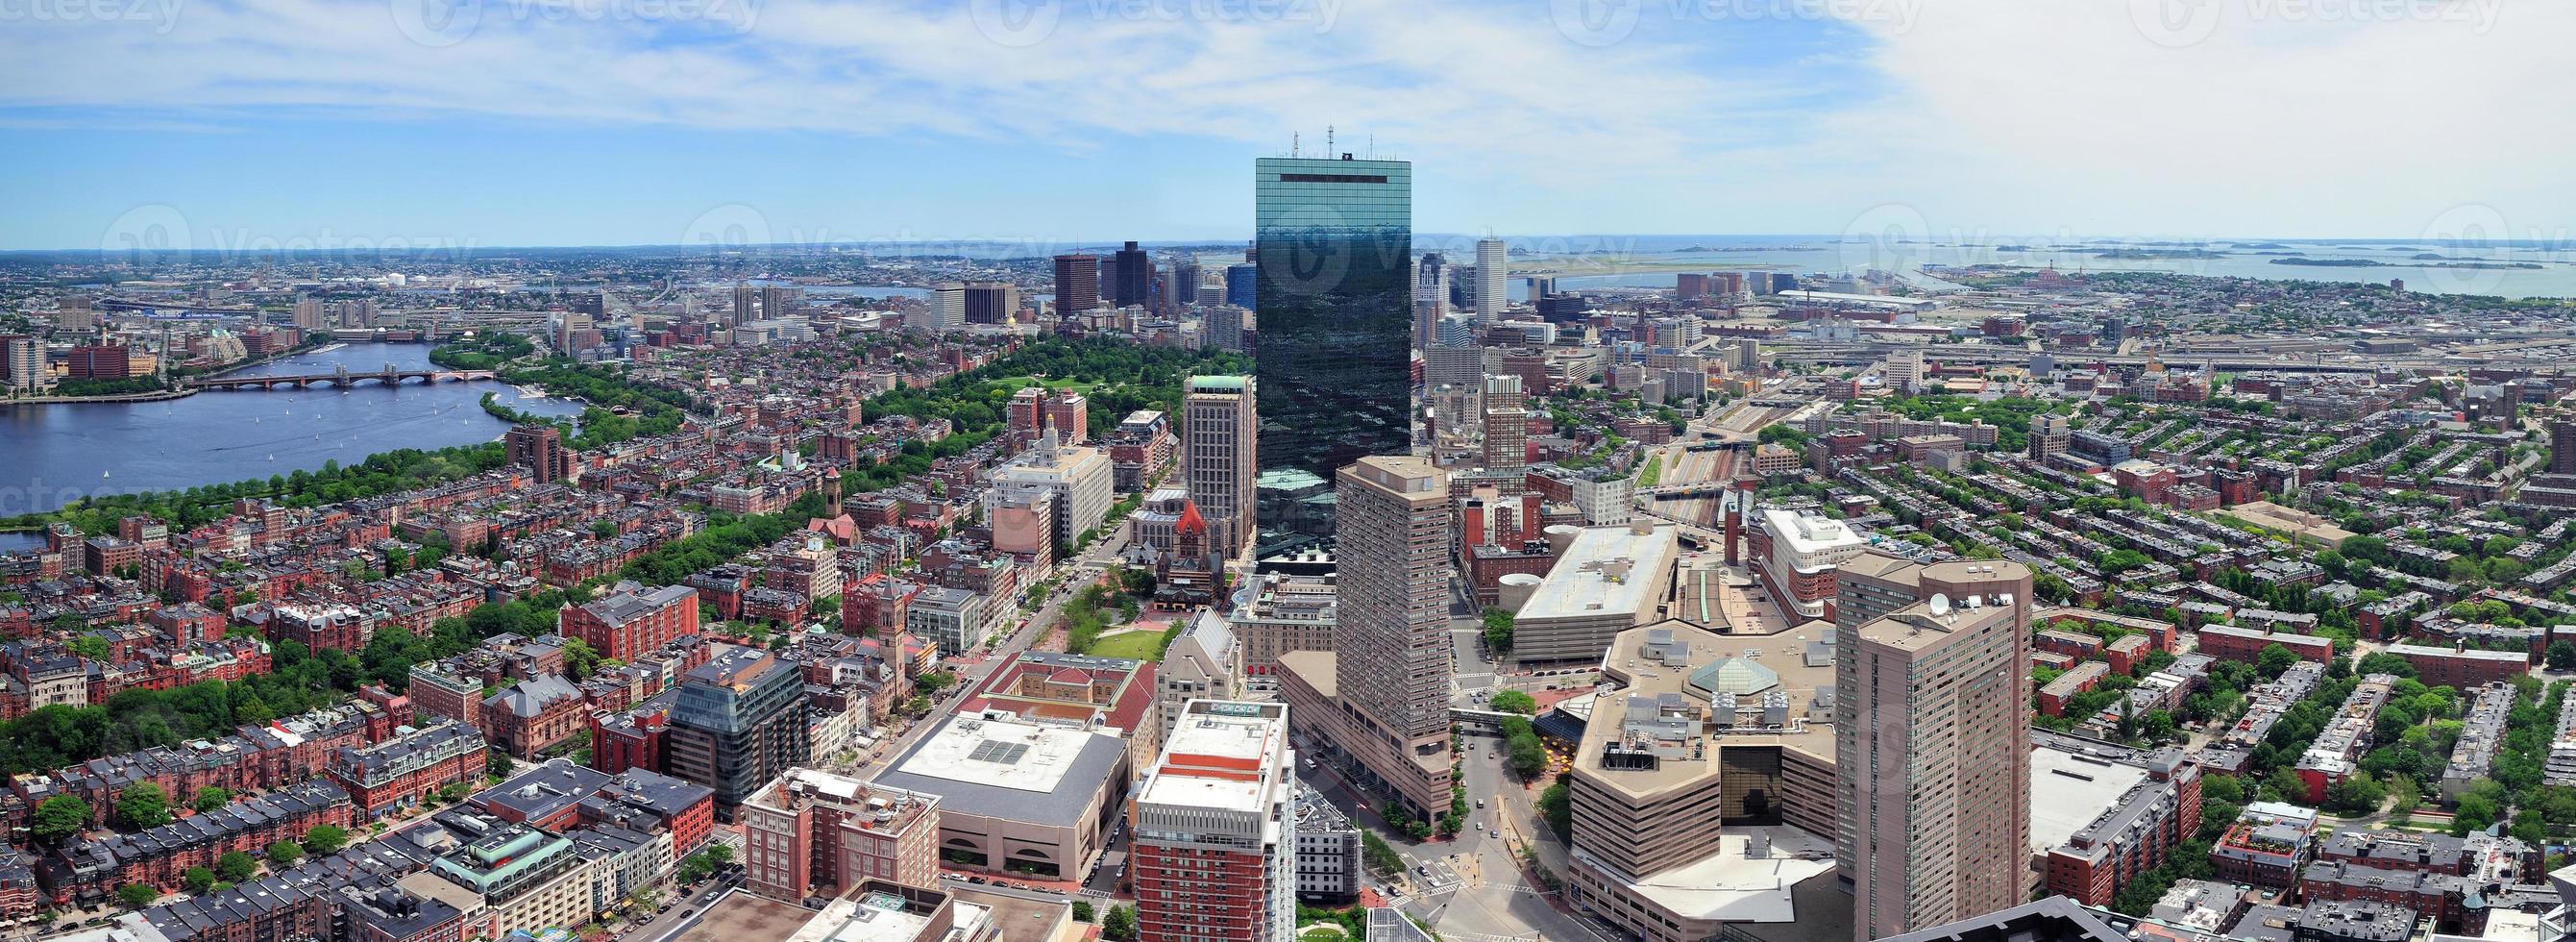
<point>685,909</point>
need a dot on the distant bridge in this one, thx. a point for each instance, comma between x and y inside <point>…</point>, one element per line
<point>342,378</point>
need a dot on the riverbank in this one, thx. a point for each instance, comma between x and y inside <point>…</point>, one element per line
<point>153,396</point>
<point>319,346</point>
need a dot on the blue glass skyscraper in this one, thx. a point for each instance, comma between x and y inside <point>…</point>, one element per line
<point>1243,285</point>
<point>1333,243</point>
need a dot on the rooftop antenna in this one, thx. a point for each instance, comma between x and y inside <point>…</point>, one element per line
<point>1295,149</point>
<point>1328,141</point>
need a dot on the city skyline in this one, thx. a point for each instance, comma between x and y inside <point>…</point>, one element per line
<point>874,471</point>
<point>1770,123</point>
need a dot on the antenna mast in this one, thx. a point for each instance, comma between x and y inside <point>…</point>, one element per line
<point>1328,142</point>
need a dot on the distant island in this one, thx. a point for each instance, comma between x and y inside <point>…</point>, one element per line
<point>2290,252</point>
<point>2258,245</point>
<point>2155,254</point>
<point>2372,263</point>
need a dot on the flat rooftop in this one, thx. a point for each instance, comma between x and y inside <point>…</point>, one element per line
<point>1606,572</point>
<point>869,916</point>
<point>1008,769</point>
<point>1736,885</point>
<point>744,916</point>
<point>1219,762</point>
<point>2068,790</point>
<point>1809,532</point>
<point>1673,659</point>
<point>1915,628</point>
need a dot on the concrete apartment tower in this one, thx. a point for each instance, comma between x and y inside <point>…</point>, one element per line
<point>1493,267</point>
<point>1506,422</point>
<point>1393,636</point>
<point>1932,752</point>
<point>1220,441</point>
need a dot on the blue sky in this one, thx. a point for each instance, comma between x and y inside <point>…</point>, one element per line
<point>245,123</point>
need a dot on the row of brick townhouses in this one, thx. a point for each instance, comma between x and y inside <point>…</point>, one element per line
<point>157,857</point>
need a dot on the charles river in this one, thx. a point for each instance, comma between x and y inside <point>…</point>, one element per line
<point>53,453</point>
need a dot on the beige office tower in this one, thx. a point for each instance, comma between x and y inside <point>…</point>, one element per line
<point>947,308</point>
<point>1220,434</point>
<point>1506,425</point>
<point>2049,434</point>
<point>1932,751</point>
<point>1393,638</point>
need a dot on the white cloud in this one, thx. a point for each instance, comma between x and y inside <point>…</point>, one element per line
<point>2023,118</point>
<point>2284,119</point>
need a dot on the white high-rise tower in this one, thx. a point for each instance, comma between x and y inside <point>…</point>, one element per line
<point>1492,268</point>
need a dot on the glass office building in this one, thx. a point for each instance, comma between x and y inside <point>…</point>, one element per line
<point>1333,240</point>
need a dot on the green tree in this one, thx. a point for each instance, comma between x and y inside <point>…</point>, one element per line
<point>2382,662</point>
<point>57,819</point>
<point>2562,655</point>
<point>326,839</point>
<point>935,681</point>
<point>235,866</point>
<point>92,647</point>
<point>2273,660</point>
<point>284,854</point>
<point>1529,757</point>
<point>1498,630</point>
<point>197,880</point>
<point>1082,911</point>
<point>142,806</point>
<point>212,798</point>
<point>136,895</point>
<point>2355,795</point>
<point>1120,924</point>
<point>1556,804</point>
<point>1379,854</point>
<point>1514,701</point>
<point>579,660</point>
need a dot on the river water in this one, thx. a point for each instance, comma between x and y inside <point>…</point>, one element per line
<point>52,454</point>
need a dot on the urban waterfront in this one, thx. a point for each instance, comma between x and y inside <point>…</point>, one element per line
<point>60,452</point>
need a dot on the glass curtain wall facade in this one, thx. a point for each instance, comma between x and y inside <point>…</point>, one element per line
<point>1333,240</point>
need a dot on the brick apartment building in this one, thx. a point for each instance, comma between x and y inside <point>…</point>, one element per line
<point>404,770</point>
<point>632,619</point>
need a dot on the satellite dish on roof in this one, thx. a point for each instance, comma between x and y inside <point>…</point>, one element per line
<point>1940,603</point>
